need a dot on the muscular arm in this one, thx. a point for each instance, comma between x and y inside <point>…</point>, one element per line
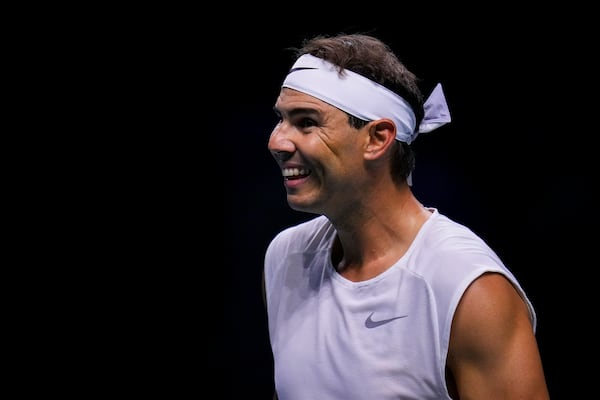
<point>493,351</point>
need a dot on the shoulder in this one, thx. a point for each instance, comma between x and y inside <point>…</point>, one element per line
<point>491,302</point>
<point>446,234</point>
<point>492,332</point>
<point>445,243</point>
<point>312,233</point>
<point>451,259</point>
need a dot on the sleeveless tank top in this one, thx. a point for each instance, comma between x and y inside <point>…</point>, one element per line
<point>383,338</point>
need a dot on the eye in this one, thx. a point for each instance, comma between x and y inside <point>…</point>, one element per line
<point>306,122</point>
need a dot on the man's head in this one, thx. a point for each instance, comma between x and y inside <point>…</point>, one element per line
<point>349,110</point>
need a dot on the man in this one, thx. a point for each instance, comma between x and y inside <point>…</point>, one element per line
<point>380,297</point>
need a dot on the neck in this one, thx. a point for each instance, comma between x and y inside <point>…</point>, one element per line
<point>372,239</point>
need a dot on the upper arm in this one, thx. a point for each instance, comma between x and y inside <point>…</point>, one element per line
<point>493,352</point>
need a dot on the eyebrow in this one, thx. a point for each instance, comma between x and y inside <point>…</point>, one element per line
<point>298,111</point>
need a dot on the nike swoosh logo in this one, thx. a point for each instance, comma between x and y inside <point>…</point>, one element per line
<point>369,323</point>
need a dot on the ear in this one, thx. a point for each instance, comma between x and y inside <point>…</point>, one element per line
<point>382,134</point>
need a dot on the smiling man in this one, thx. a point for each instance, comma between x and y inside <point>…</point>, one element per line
<point>378,296</point>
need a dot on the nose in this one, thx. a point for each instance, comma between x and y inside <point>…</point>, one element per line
<point>280,144</point>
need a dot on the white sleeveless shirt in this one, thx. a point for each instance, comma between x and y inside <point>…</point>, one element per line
<point>383,338</point>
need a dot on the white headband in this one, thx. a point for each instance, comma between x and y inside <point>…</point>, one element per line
<point>363,98</point>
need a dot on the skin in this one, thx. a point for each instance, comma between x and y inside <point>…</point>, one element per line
<point>493,352</point>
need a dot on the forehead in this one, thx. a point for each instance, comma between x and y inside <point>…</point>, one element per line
<point>290,99</point>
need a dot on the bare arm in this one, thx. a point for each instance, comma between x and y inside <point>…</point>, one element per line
<point>493,351</point>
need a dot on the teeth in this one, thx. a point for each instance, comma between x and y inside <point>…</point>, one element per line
<point>287,172</point>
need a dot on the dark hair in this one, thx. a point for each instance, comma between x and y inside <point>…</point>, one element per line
<point>370,57</point>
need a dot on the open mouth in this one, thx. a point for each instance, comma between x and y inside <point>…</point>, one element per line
<point>295,173</point>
